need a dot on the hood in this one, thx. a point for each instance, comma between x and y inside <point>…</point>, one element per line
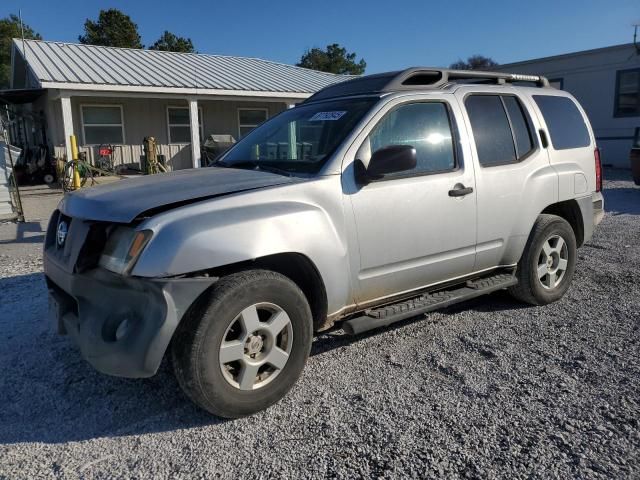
<point>124,200</point>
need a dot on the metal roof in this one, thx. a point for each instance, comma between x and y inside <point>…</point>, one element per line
<point>623,46</point>
<point>89,67</point>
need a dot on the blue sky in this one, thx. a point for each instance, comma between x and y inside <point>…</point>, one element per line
<point>387,34</point>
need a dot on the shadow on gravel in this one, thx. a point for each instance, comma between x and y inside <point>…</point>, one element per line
<point>67,402</point>
<point>622,201</point>
<point>49,394</point>
<point>26,232</point>
<point>496,302</point>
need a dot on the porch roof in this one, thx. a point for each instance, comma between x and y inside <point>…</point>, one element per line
<point>89,67</point>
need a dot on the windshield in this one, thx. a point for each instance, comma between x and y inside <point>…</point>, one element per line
<point>298,140</point>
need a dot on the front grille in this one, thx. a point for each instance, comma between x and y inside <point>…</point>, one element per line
<point>50,238</point>
<point>66,255</point>
<point>92,247</point>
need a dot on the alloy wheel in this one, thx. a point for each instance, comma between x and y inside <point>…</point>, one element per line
<point>256,346</point>
<point>553,260</point>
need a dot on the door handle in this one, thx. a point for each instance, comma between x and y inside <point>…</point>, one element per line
<point>459,190</point>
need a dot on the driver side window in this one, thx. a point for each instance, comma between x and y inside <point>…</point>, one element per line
<point>425,126</point>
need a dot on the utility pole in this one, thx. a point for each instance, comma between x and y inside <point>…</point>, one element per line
<point>24,49</point>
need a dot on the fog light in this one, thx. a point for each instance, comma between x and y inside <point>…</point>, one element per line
<point>122,329</point>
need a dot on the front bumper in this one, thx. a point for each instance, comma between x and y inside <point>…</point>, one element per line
<point>91,306</point>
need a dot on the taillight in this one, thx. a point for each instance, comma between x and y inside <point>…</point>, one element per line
<point>596,154</point>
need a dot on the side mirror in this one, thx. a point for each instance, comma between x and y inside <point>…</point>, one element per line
<point>391,159</point>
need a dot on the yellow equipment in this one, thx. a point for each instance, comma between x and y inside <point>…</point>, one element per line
<point>74,155</point>
<point>152,165</point>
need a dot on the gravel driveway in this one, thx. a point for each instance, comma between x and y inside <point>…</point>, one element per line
<point>490,388</point>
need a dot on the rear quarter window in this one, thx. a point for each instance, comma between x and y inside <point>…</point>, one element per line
<point>564,121</point>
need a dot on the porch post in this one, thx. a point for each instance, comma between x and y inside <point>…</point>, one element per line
<point>67,123</point>
<point>195,132</point>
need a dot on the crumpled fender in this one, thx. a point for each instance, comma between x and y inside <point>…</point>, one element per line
<point>304,218</point>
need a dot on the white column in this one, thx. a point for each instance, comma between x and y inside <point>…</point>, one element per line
<point>195,133</point>
<point>67,123</point>
<point>293,142</point>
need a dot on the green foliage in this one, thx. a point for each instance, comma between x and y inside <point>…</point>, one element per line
<point>10,28</point>
<point>112,29</point>
<point>474,62</point>
<point>169,42</point>
<point>334,59</point>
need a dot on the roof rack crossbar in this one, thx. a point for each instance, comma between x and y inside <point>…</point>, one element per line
<point>417,78</point>
<point>439,77</point>
<point>499,77</point>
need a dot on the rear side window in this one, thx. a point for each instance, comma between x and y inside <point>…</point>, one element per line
<point>564,121</point>
<point>426,127</point>
<point>501,129</point>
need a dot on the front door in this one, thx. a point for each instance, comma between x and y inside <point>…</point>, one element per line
<point>415,228</point>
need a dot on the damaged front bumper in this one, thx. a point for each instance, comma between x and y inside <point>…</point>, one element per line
<point>122,324</point>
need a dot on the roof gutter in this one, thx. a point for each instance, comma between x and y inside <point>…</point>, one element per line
<point>214,92</point>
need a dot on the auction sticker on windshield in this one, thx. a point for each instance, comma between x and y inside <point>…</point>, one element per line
<point>323,116</point>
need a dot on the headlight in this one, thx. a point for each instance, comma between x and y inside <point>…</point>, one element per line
<point>123,248</point>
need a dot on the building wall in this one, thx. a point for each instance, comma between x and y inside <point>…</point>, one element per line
<point>144,117</point>
<point>591,77</point>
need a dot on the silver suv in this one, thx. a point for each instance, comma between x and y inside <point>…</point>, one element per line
<point>377,199</point>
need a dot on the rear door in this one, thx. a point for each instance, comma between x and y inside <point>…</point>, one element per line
<point>513,175</point>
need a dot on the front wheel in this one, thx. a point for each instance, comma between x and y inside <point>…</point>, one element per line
<point>244,344</point>
<point>548,262</point>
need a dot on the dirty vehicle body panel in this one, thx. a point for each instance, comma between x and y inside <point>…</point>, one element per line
<point>368,242</point>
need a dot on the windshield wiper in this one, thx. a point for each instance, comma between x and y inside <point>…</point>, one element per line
<point>255,165</point>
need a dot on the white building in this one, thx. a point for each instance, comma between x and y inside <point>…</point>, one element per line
<point>606,81</point>
<point>118,96</point>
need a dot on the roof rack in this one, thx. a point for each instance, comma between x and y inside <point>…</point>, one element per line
<point>419,78</point>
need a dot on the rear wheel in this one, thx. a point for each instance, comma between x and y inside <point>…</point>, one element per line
<point>548,262</point>
<point>244,345</point>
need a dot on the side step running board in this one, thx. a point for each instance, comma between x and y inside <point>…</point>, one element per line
<point>427,302</point>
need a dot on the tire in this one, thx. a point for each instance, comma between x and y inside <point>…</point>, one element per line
<point>224,389</point>
<point>534,286</point>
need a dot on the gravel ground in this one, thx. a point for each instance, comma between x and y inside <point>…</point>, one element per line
<point>490,388</point>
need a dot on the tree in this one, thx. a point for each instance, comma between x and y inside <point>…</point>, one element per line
<point>169,42</point>
<point>474,62</point>
<point>334,59</point>
<point>112,29</point>
<point>10,28</point>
